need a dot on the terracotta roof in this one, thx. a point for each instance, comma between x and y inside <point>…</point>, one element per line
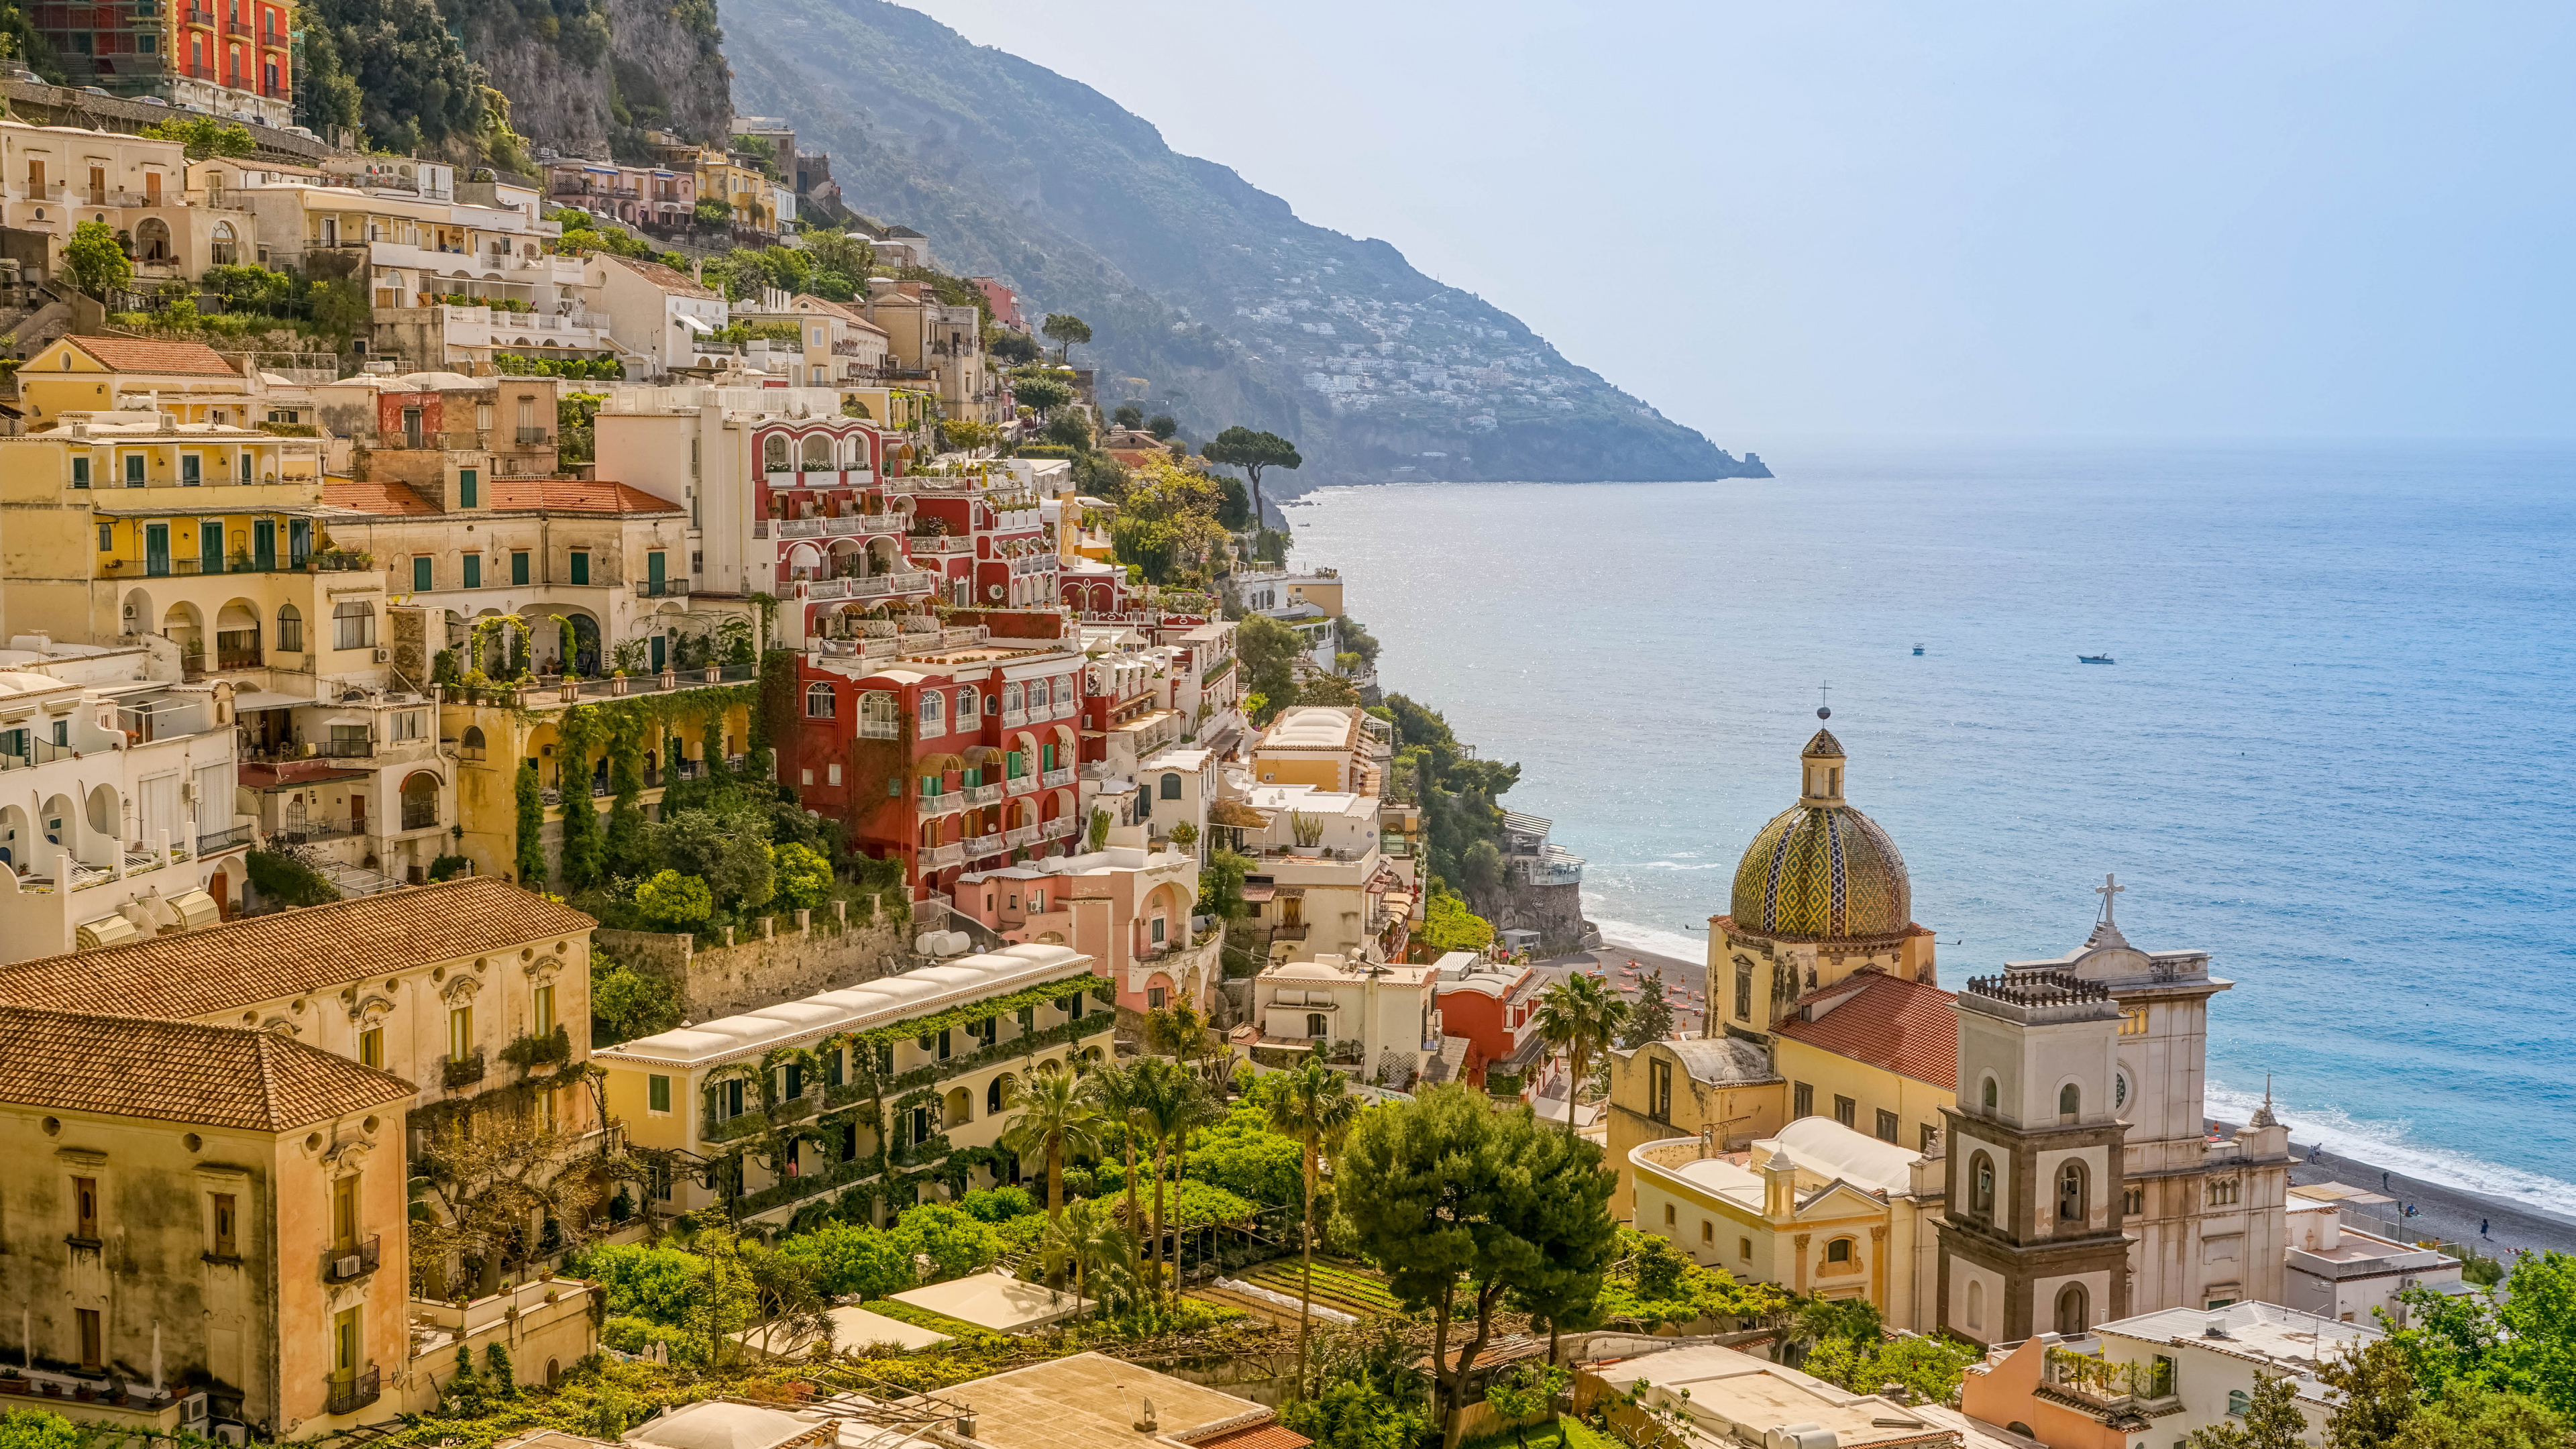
<point>373,497</point>
<point>844,310</point>
<point>141,354</point>
<point>266,957</point>
<point>179,1071</point>
<point>577,495</point>
<point>1900,1026</point>
<point>1254,1436</point>
<point>669,279</point>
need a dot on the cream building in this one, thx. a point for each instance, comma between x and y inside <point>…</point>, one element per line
<point>1378,1020</point>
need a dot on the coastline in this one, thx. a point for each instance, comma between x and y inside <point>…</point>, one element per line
<point>2445,1211</point>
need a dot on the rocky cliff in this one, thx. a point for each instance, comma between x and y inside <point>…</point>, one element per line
<point>589,77</point>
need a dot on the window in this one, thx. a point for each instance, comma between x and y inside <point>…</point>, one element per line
<point>192,470</point>
<point>227,1224</point>
<point>469,488</point>
<point>85,1208</point>
<point>946,1043</point>
<point>1845,1109</point>
<point>832,773</point>
<point>1171,787</point>
<point>580,566</point>
<point>1668,1215</point>
<point>1988,1096</point>
<point>880,716</point>
<point>134,470</point>
<point>1886,1126</point>
<point>371,1048</point>
<point>89,1336</point>
<point>80,476</point>
<point>1154,994</point>
<point>2070,1194</point>
<point>933,705</point>
<point>1659,1090</point>
<point>965,708</point>
<point>519,566</point>
<point>818,701</point>
<point>460,1033</point>
<point>353,625</point>
<point>1744,1249</point>
<point>2119,1091</point>
<point>290,629</point>
<point>2133,1202</point>
<point>541,1010</point>
<point>2070,1102</point>
<point>411,724</point>
<point>2160,1379</point>
<point>1976,1305</point>
<point>2222,1192</point>
<point>1802,1101</point>
<point>1839,1251</point>
<point>1981,1185</point>
<point>473,571</point>
<point>1744,993</point>
<point>344,1214</point>
<point>1317,1026</point>
<point>2133,1021</point>
<point>1707,1231</point>
<point>2238,1403</point>
<point>423,574</point>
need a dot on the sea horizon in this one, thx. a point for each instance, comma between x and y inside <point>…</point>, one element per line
<point>2327,753</point>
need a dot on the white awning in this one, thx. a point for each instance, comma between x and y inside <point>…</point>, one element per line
<point>196,909</point>
<point>694,324</point>
<point>105,931</point>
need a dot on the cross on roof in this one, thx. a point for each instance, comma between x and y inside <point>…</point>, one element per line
<point>2109,890</point>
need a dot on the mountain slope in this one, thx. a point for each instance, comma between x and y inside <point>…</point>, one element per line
<point>1207,296</point>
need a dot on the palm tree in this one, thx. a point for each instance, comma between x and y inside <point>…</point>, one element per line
<point>1118,1092</point>
<point>1581,1016</point>
<point>1056,1116</point>
<point>1100,1252</point>
<point>1171,1103</point>
<point>1312,1104</point>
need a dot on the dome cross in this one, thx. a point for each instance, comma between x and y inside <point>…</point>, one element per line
<point>2109,890</point>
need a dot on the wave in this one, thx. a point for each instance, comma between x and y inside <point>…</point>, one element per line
<point>2385,1145</point>
<point>1651,938</point>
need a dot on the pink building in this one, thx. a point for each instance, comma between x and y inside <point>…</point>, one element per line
<point>1491,1007</point>
<point>1126,907</point>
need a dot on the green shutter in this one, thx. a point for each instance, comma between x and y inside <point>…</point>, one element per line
<point>420,575</point>
<point>580,567</point>
<point>474,571</point>
<point>519,567</point>
<point>466,488</point>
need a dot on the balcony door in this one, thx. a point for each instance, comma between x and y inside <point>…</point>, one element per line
<point>210,547</point>
<point>263,544</point>
<point>156,550</point>
<point>348,1350</point>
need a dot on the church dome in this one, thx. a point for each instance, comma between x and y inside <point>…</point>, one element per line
<point>1822,871</point>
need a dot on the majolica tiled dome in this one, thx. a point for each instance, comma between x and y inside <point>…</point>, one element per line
<point>1822,871</point>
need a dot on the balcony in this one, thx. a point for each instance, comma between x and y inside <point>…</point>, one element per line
<point>939,543</point>
<point>798,527</point>
<point>911,581</point>
<point>934,806</point>
<point>419,816</point>
<point>1059,827</point>
<point>980,846</point>
<point>1013,717</point>
<point>1057,779</point>
<point>239,835</point>
<point>533,437</point>
<point>353,1264</point>
<point>461,1071</point>
<point>983,794</point>
<point>940,857</point>
<point>1021,837</point>
<point>661,588</point>
<point>344,749</point>
<point>349,1395</point>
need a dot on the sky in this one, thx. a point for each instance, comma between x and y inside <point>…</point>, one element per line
<point>2117,220</point>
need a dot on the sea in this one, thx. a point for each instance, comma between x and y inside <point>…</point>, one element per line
<point>2333,749</point>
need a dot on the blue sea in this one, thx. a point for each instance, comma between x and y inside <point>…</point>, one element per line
<point>2334,751</point>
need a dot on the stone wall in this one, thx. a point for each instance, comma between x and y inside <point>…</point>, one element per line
<point>797,957</point>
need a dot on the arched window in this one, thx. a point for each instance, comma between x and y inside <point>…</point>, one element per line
<point>773,453</point>
<point>420,801</point>
<point>1010,699</point>
<point>819,701</point>
<point>2238,1403</point>
<point>1744,993</point>
<point>818,452</point>
<point>1171,787</point>
<point>2070,1194</point>
<point>966,709</point>
<point>880,716</point>
<point>933,705</point>
<point>2073,1315</point>
<point>470,744</point>
<point>290,629</point>
<point>353,624</point>
<point>1317,1026</point>
<point>1981,1185</point>
<point>2070,1102</point>
<point>1839,1251</point>
<point>1988,1097</point>
<point>1977,1306</point>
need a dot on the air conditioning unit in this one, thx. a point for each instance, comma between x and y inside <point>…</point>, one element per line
<point>384,656</point>
<point>193,1413</point>
<point>349,1267</point>
<point>236,1434</point>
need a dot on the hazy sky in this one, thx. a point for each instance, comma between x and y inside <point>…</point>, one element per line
<point>2123,219</point>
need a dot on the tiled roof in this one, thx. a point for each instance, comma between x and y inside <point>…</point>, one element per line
<point>266,957</point>
<point>578,495</point>
<point>373,497</point>
<point>179,1071</point>
<point>1255,1436</point>
<point>669,279</point>
<point>140,354</point>
<point>1896,1025</point>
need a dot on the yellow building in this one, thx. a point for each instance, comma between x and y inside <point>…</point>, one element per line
<point>1878,1054</point>
<point>1816,1208</point>
<point>679,727</point>
<point>188,380</point>
<point>203,534</point>
<point>1326,746</point>
<point>874,1102</point>
<point>228,1234</point>
<point>1720,1087</point>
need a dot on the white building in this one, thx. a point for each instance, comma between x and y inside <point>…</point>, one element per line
<point>660,317</point>
<point>2339,1271</point>
<point>1375,1021</point>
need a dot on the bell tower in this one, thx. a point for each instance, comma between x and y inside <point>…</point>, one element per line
<point>2030,1236</point>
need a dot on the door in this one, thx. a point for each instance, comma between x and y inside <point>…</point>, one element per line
<point>151,188</point>
<point>659,641</point>
<point>347,1349</point>
<point>653,572</point>
<point>263,544</point>
<point>156,550</point>
<point>330,231</point>
<point>299,541</point>
<point>344,1215</point>
<point>98,186</point>
<point>210,547</point>
<point>357,814</point>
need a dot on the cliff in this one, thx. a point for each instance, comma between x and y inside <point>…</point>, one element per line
<point>588,77</point>
<point>1207,296</point>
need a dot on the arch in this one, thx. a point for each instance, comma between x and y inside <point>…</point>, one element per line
<point>773,453</point>
<point>1012,698</point>
<point>137,615</point>
<point>353,624</point>
<point>880,715</point>
<point>969,707</point>
<point>225,245</point>
<point>152,242</point>
<point>957,1108</point>
<point>804,560</point>
<point>17,839</point>
<point>934,712</point>
<point>849,558</point>
<point>998,1093</point>
<point>1842,1255</point>
<point>818,451</point>
<point>585,643</point>
<point>1976,1306</point>
<point>1171,785</point>
<point>1981,1185</point>
<point>2074,1196</point>
<point>2074,1312</point>
<point>290,629</point>
<point>883,557</point>
<point>820,701</point>
<point>1986,1094</point>
<point>420,800</point>
<point>469,745</point>
<point>854,451</point>
<point>182,625</point>
<point>2070,1102</point>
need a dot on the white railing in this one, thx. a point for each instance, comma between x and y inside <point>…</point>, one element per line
<point>800,528</point>
<point>912,581</point>
<point>1067,708</point>
<point>1020,837</point>
<point>1020,784</point>
<point>869,587</point>
<point>1059,827</point>
<point>828,589</point>
<point>983,794</point>
<point>877,628</point>
<point>1057,779</point>
<point>880,729</point>
<point>944,543</point>
<point>841,524</point>
<point>960,638</point>
<point>940,857</point>
<point>1012,717</point>
<point>983,845</point>
<point>949,803</point>
<point>886,522</point>
<point>879,649</point>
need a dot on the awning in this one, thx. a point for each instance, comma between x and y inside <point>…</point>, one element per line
<point>694,324</point>
<point>307,782</point>
<point>268,699</point>
<point>196,909</point>
<point>1255,895</point>
<point>105,931</point>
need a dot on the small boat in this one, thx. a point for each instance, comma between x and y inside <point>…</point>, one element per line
<point>1918,648</point>
<point>2095,659</point>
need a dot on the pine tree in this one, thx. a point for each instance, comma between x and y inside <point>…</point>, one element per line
<point>532,829</point>
<point>1653,1018</point>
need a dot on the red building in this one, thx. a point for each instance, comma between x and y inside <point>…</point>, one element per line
<point>1490,1006</point>
<point>951,750</point>
<point>985,542</point>
<point>1005,303</point>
